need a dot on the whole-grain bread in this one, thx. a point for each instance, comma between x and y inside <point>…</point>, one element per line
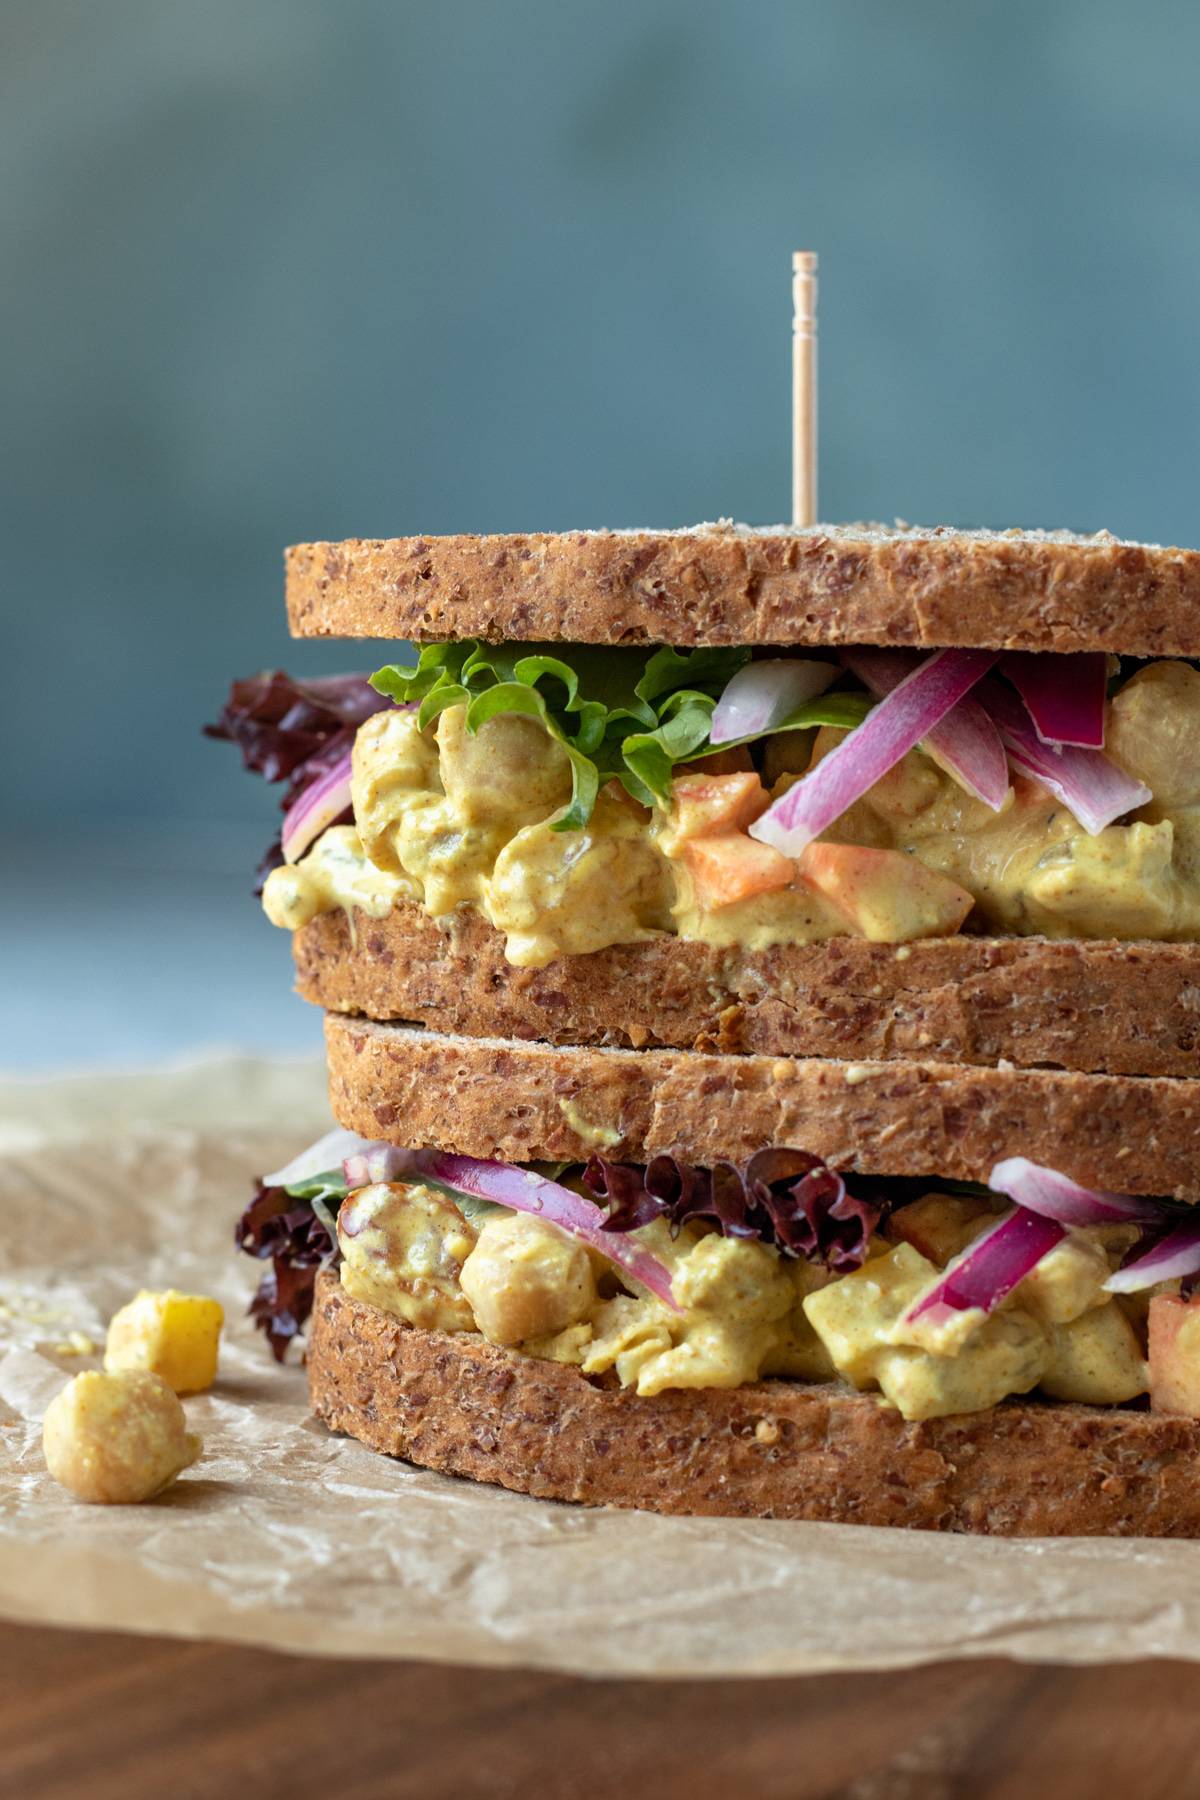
<point>727,584</point>
<point>1121,1009</point>
<point>522,1102</point>
<point>776,1449</point>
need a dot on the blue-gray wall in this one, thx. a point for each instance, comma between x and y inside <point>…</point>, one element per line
<point>277,269</point>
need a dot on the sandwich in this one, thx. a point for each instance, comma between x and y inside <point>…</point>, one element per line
<point>762,993</point>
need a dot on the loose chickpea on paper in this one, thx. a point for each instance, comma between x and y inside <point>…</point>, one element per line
<point>169,1334</point>
<point>117,1438</point>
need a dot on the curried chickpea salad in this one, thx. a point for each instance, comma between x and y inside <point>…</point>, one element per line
<point>473,791</point>
<point>938,1302</point>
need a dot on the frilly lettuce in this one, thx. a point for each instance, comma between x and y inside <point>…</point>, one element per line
<point>294,731</point>
<point>787,1198</point>
<point>626,714</point>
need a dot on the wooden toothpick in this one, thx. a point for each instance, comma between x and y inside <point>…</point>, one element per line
<point>804,387</point>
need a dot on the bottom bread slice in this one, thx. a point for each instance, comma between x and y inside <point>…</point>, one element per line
<point>776,1449</point>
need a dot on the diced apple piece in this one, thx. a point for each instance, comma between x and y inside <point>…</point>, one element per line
<point>1174,1355</point>
<point>886,896</point>
<point>708,804</point>
<point>732,866</point>
<point>941,1225</point>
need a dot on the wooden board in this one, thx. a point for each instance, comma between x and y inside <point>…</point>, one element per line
<point>99,1717</point>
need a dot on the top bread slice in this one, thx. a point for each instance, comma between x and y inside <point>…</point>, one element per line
<point>730,584</point>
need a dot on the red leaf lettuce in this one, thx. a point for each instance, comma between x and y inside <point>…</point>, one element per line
<point>786,1198</point>
<point>294,731</point>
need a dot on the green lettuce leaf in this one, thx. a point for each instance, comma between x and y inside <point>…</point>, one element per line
<point>623,713</point>
<point>324,1193</point>
<point>683,736</point>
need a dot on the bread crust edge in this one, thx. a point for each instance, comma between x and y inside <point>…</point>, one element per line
<point>1097,1007</point>
<point>723,584</point>
<point>532,1102</point>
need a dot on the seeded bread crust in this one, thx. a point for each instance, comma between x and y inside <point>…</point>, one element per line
<point>776,1449</point>
<point>1121,1009</point>
<point>727,584</point>
<point>522,1102</point>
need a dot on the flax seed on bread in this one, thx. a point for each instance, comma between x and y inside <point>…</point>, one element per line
<point>533,1102</point>
<point>775,1449</point>
<point>727,584</point>
<point>1121,1009</point>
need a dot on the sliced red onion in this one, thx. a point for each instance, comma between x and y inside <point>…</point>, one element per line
<point>326,1153</point>
<point>1091,787</point>
<point>523,1191</point>
<point>910,712</point>
<point>989,1268</point>
<point>1176,1255</point>
<point>1054,1196</point>
<point>966,743</point>
<point>376,1162</point>
<point>1065,695</point>
<point>763,694</point>
<point>317,807</point>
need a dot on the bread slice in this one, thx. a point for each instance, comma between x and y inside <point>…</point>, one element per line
<point>1121,1009</point>
<point>728,584</point>
<point>523,1102</point>
<point>776,1449</point>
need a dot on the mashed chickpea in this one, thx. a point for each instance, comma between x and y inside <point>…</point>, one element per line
<point>525,1280</point>
<point>117,1438</point>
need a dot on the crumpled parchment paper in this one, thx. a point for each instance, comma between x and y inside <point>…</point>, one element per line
<point>287,1537</point>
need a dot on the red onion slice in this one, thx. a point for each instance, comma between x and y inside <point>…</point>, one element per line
<point>1176,1255</point>
<point>376,1162</point>
<point>1065,695</point>
<point>990,1268</point>
<point>1054,1196</point>
<point>522,1191</point>
<point>910,712</point>
<point>327,1153</point>
<point>317,807</point>
<point>1091,787</point>
<point>763,694</point>
<point>966,743</point>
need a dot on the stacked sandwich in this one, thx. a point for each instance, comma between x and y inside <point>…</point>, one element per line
<point>762,998</point>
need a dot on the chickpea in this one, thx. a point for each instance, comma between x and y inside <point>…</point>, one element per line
<point>1152,731</point>
<point>509,757</point>
<point>907,790</point>
<point>117,1438</point>
<point>525,1280</point>
<point>403,1246</point>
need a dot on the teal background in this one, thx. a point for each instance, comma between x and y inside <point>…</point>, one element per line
<point>283,269</point>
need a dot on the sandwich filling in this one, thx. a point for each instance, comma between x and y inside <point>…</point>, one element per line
<point>599,800</point>
<point>939,1301</point>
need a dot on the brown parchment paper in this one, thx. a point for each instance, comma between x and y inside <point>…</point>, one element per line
<point>285,1536</point>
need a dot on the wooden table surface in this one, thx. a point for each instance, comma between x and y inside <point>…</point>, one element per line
<point>107,1717</point>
